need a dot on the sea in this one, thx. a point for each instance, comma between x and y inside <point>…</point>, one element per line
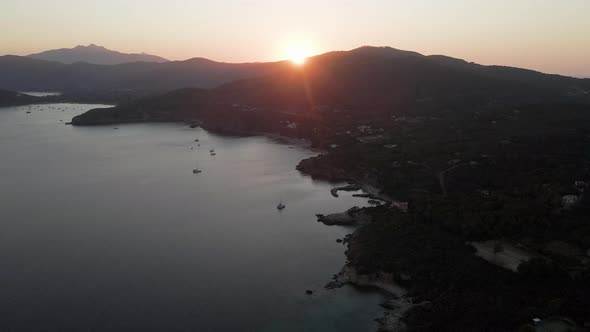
<point>106,228</point>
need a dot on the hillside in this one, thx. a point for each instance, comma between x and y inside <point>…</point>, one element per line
<point>367,77</point>
<point>376,81</point>
<point>27,74</point>
<point>94,54</point>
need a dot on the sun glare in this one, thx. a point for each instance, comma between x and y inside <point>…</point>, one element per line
<point>297,49</point>
<point>297,57</point>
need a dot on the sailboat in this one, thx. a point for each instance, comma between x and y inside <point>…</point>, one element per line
<point>197,170</point>
<point>281,206</point>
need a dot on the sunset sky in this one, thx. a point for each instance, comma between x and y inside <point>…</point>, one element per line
<point>546,35</point>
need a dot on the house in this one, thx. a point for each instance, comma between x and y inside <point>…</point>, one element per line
<point>554,324</point>
<point>580,185</point>
<point>569,201</point>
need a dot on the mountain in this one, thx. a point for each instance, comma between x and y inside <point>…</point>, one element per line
<point>94,54</point>
<point>27,74</point>
<point>11,98</point>
<point>367,80</point>
<point>368,77</point>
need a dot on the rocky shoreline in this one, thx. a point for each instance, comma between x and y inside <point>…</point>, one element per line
<point>354,216</point>
<point>398,302</point>
<point>395,307</point>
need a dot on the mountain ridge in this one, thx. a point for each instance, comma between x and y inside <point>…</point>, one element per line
<point>366,81</point>
<point>94,54</point>
<point>22,73</point>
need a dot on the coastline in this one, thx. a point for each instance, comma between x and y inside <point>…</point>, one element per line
<point>395,307</point>
<point>399,303</point>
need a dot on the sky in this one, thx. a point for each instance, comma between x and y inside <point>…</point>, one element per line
<point>546,35</point>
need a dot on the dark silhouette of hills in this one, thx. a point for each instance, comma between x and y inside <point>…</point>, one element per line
<point>94,54</point>
<point>371,80</point>
<point>23,73</point>
<point>368,77</point>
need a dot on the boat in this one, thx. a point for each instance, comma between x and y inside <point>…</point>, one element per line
<point>197,170</point>
<point>281,206</point>
<point>213,153</point>
<point>212,150</point>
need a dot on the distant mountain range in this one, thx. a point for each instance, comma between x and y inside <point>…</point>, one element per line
<point>19,73</point>
<point>368,77</point>
<point>94,54</point>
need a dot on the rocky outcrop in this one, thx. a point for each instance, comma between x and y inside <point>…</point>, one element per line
<point>350,187</point>
<point>353,216</point>
<point>396,306</point>
<point>320,170</point>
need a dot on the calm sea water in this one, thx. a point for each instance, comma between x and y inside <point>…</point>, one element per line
<point>109,230</point>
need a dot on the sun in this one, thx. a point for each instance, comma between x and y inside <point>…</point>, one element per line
<point>298,57</point>
<point>298,50</point>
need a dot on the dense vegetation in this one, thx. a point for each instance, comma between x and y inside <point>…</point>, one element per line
<point>458,291</point>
